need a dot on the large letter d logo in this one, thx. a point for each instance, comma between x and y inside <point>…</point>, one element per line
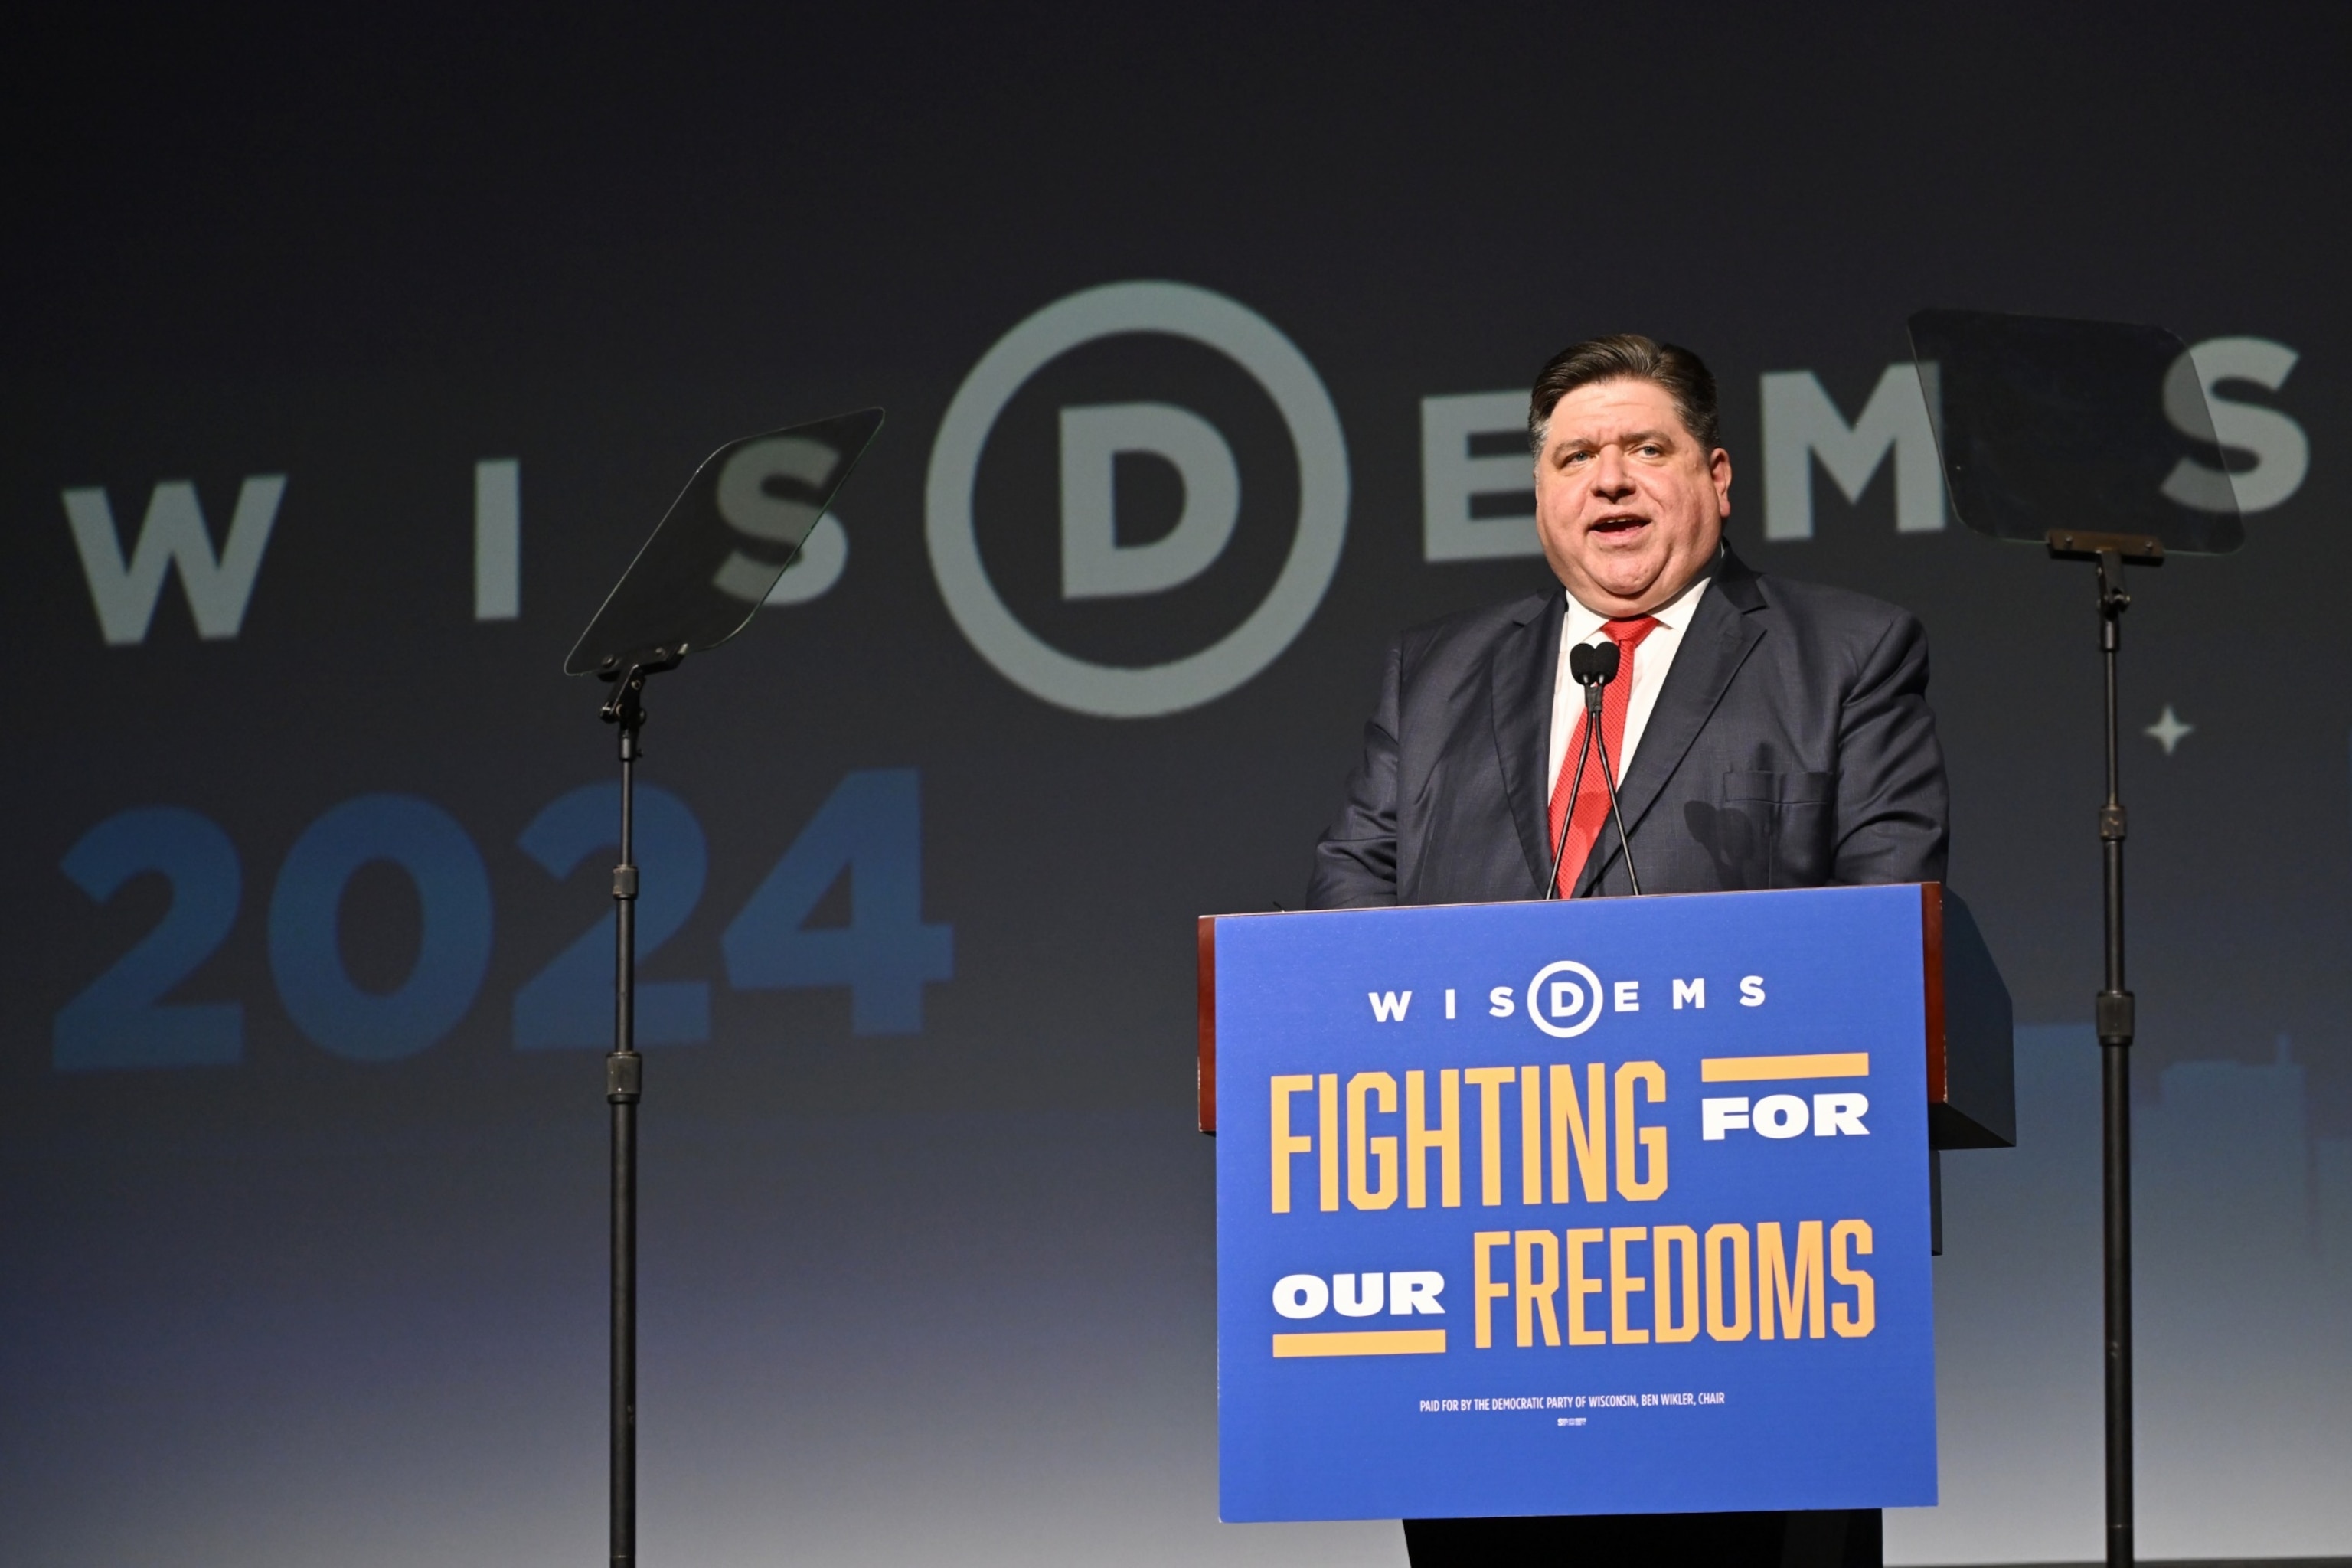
<point>1095,564</point>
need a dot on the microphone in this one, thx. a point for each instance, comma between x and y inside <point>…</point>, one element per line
<point>1592,667</point>
<point>1586,667</point>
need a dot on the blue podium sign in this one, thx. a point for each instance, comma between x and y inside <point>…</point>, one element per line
<point>1603,1206</point>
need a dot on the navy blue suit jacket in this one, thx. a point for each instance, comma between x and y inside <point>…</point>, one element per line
<point>1792,746</point>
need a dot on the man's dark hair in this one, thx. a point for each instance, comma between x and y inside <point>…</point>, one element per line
<point>1627,357</point>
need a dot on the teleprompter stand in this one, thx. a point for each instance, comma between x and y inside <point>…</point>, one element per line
<point>698,579</point>
<point>2043,421</point>
<point>623,1080</point>
<point>2112,1016</point>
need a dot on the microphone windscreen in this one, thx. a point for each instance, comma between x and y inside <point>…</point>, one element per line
<point>1604,661</point>
<point>1581,663</point>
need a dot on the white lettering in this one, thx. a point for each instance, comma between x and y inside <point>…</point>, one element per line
<point>173,531</point>
<point>1415,1290</point>
<point>1717,1117</point>
<point>497,539</point>
<point>1351,1305</point>
<point>1095,564</point>
<point>1111,690</point>
<point>1780,1116</point>
<point>744,500</point>
<point>1691,991</point>
<point>1451,479</point>
<point>815,566</point>
<point>1301,1296</point>
<point>2282,452</point>
<point>1388,1006</point>
<point>1751,991</point>
<point>1801,424</point>
<point>1449,1004</point>
<point>1840,1113</point>
<point>1629,996</point>
<point>1499,1002</point>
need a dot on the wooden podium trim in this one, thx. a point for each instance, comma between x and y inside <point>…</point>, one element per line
<point>1931,933</point>
<point>1970,1031</point>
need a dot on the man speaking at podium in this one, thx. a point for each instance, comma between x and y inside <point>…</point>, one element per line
<point>1763,733</point>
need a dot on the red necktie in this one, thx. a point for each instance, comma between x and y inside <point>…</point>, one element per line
<point>1593,796</point>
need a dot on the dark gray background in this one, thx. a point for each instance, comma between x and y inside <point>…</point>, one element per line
<point>948,1293</point>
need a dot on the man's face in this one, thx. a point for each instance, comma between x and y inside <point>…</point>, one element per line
<point>1628,505</point>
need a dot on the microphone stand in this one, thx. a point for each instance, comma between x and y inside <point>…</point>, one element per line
<point>1592,668</point>
<point>1610,778</point>
<point>1583,672</point>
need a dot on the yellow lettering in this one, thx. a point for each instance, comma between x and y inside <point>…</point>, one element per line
<point>1579,1287</point>
<point>1327,1123</point>
<point>1382,1149</point>
<point>1568,1129</point>
<point>1624,1287</point>
<point>1486,1292</point>
<point>1490,1082</point>
<point>1537,1290</point>
<point>1674,1251</point>
<point>1862,1317</point>
<point>1652,1078</point>
<point>1776,1284</point>
<point>1530,1135</point>
<point>1420,1139</point>
<point>1718,1327</point>
<point>1285,1143</point>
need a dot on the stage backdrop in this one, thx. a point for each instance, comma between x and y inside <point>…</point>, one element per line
<point>347,362</point>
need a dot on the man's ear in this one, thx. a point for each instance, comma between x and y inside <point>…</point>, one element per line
<point>1719,465</point>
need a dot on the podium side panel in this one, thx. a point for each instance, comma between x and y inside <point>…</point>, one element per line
<point>1975,1106</point>
<point>1204,1072</point>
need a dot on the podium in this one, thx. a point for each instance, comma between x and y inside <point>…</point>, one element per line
<point>1598,1206</point>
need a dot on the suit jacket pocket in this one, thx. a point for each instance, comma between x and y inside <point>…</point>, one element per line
<point>1795,817</point>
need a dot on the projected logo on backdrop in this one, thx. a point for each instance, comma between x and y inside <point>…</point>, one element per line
<point>1095,564</point>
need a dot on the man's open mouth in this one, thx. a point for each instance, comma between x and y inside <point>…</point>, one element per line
<point>1618,524</point>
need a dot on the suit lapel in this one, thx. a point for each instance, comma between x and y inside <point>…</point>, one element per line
<point>1722,634</point>
<point>1526,663</point>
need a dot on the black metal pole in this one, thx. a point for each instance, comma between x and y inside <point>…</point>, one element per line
<point>623,1080</point>
<point>2115,1021</point>
<point>1568,822</point>
<point>1624,840</point>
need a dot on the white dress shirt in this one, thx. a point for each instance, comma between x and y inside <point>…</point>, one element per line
<point>1651,662</point>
